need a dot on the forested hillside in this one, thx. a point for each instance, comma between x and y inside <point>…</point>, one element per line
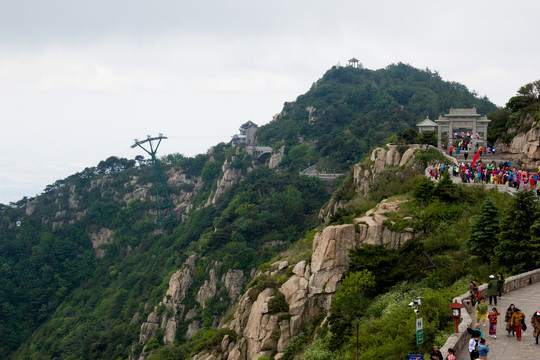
<point>350,110</point>
<point>82,267</point>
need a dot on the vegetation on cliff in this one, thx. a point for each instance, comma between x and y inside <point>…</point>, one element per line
<point>351,110</point>
<point>518,116</point>
<point>445,255</point>
<point>86,268</point>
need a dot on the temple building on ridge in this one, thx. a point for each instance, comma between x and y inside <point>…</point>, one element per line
<point>426,125</point>
<point>247,130</point>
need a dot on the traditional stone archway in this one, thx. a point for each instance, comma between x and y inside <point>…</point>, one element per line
<point>463,119</point>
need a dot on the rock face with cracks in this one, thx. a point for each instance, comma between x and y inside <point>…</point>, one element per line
<point>308,291</point>
<point>367,174</point>
<point>230,177</point>
<point>171,311</point>
<point>527,145</point>
<point>179,285</point>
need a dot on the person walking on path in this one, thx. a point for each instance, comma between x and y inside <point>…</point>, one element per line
<point>483,350</point>
<point>473,290</point>
<point>473,347</point>
<point>481,311</point>
<point>436,354</point>
<point>510,328</point>
<point>517,317</point>
<point>500,286</point>
<point>493,289</point>
<point>492,316</point>
<point>451,354</point>
<point>535,322</point>
<point>474,331</point>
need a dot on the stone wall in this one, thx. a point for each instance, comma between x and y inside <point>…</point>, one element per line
<point>459,340</point>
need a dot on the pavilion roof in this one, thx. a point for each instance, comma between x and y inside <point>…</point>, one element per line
<point>426,122</point>
<point>248,124</point>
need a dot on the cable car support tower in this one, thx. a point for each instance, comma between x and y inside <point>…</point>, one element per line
<point>164,206</point>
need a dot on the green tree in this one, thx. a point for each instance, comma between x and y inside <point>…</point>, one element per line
<point>210,171</point>
<point>446,190</point>
<point>352,297</point>
<point>379,260</point>
<point>514,248</point>
<point>350,303</point>
<point>484,230</point>
<point>534,244</point>
<point>423,190</point>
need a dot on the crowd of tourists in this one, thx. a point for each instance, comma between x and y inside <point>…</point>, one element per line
<point>514,318</point>
<point>464,148</point>
<point>465,135</point>
<point>502,173</point>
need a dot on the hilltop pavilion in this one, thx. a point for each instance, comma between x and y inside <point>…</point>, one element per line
<point>427,125</point>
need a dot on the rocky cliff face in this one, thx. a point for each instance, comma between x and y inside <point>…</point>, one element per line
<point>230,177</point>
<point>275,159</point>
<point>527,145</point>
<point>99,238</point>
<point>367,174</point>
<point>171,312</point>
<point>307,287</point>
<point>308,291</point>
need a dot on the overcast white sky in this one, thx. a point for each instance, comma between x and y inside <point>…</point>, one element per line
<point>79,80</point>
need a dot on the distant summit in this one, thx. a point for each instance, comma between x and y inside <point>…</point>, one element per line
<point>352,109</point>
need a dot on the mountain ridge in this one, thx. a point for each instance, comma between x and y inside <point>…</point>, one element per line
<point>234,210</point>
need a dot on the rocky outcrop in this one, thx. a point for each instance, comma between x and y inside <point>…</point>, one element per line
<point>30,207</point>
<point>278,116</point>
<point>186,189</point>
<point>234,281</point>
<point>183,189</point>
<point>73,199</point>
<point>527,145</point>
<point>367,174</point>
<point>311,117</point>
<point>275,159</point>
<point>139,193</point>
<point>308,291</point>
<point>99,181</point>
<point>170,310</point>
<point>371,228</point>
<point>102,237</point>
<point>209,287</point>
<point>230,177</point>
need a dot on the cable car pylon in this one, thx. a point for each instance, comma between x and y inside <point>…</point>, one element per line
<point>164,205</point>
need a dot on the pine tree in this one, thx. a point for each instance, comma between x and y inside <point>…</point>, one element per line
<point>534,244</point>
<point>514,248</point>
<point>484,230</point>
<point>446,190</point>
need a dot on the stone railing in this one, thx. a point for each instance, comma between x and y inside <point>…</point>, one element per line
<point>459,340</point>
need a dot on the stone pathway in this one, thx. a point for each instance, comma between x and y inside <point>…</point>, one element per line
<point>508,348</point>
